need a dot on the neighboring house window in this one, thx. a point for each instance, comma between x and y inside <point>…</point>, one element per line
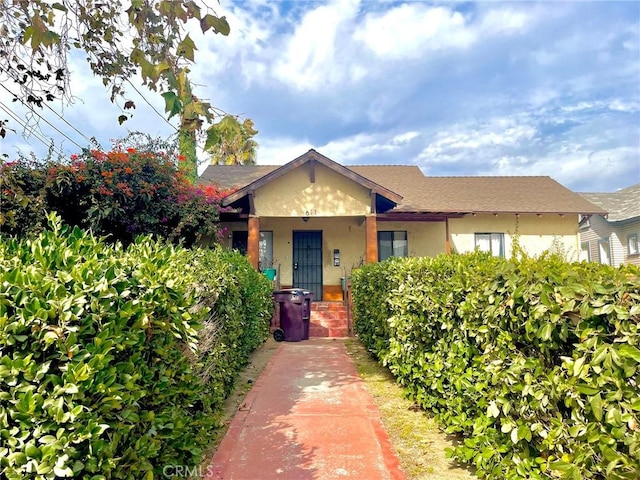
<point>265,248</point>
<point>604,250</point>
<point>392,244</point>
<point>585,254</point>
<point>491,242</point>
<point>632,244</point>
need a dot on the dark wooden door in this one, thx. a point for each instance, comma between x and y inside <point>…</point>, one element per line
<point>307,262</point>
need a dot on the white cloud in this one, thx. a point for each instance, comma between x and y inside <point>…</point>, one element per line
<point>504,21</point>
<point>278,151</point>
<point>355,147</point>
<point>454,145</point>
<point>405,137</point>
<point>410,29</point>
<point>580,106</point>
<point>622,106</point>
<point>309,57</point>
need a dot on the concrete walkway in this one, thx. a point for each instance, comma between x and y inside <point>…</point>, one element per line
<point>307,417</point>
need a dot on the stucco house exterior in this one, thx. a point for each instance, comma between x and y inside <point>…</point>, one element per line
<point>317,219</point>
<point>614,238</point>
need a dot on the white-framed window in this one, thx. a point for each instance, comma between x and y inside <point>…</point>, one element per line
<point>392,244</point>
<point>632,244</point>
<point>490,242</point>
<point>604,251</point>
<point>265,250</point>
<point>240,241</point>
<point>585,253</point>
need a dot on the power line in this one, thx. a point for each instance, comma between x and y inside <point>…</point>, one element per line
<point>152,107</point>
<point>44,119</point>
<point>32,131</point>
<point>46,105</point>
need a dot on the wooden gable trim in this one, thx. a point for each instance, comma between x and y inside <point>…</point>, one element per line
<point>319,158</point>
<point>312,170</point>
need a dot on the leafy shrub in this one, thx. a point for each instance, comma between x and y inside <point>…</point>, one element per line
<point>101,352</point>
<point>122,194</point>
<point>535,361</point>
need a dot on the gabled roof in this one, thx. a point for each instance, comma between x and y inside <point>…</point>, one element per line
<point>311,156</point>
<point>416,193</point>
<point>621,205</point>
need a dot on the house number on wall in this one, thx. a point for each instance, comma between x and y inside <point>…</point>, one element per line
<point>310,212</point>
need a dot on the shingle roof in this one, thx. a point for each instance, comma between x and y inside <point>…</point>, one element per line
<point>477,194</point>
<point>235,176</point>
<point>621,205</point>
<point>441,194</point>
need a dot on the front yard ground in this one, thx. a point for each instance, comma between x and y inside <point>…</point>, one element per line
<point>418,442</point>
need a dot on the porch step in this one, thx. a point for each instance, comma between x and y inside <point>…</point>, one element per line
<point>328,319</point>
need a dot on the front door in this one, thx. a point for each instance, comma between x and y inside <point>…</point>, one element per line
<point>307,262</point>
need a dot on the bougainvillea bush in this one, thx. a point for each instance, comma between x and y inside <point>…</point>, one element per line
<point>535,361</point>
<point>120,194</point>
<point>114,361</point>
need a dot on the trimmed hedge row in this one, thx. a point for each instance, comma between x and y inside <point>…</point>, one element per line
<point>535,361</point>
<point>115,362</point>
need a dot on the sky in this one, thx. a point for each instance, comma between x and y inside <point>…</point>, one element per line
<point>457,88</point>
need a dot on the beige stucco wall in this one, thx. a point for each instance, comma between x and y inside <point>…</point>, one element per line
<point>293,195</point>
<point>425,239</point>
<point>345,234</point>
<point>537,234</point>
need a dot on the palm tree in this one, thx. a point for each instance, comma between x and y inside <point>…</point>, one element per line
<point>234,143</point>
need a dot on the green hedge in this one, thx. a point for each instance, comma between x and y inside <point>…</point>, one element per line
<point>114,362</point>
<point>535,361</point>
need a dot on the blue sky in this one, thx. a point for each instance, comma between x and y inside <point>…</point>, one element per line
<point>488,88</point>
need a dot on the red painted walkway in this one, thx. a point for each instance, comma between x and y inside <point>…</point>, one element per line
<point>307,417</point>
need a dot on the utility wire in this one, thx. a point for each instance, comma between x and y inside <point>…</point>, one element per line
<point>152,107</point>
<point>46,105</point>
<point>32,131</point>
<point>44,119</point>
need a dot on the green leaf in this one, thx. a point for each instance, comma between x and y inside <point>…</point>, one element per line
<point>524,433</point>
<point>545,331</point>
<point>506,427</point>
<point>63,472</point>
<point>493,410</point>
<point>596,406</point>
<point>587,389</point>
<point>171,103</point>
<point>629,351</point>
<point>186,48</point>
<point>219,24</point>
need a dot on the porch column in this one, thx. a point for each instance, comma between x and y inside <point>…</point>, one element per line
<point>253,251</point>
<point>371,249</point>
<point>447,244</point>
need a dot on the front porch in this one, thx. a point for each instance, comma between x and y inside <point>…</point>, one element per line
<point>328,319</point>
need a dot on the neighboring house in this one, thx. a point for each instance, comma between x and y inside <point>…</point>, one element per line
<point>614,238</point>
<point>318,219</point>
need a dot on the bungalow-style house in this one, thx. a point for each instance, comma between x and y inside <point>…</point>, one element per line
<point>612,239</point>
<point>317,219</point>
